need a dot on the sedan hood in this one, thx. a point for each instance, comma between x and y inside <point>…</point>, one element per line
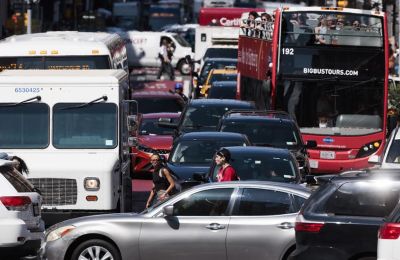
<point>158,142</point>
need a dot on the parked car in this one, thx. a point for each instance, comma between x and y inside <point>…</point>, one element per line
<point>390,157</point>
<point>21,225</point>
<point>230,220</point>
<point>388,236</point>
<point>261,163</point>
<point>192,154</point>
<point>269,129</point>
<point>204,114</point>
<point>150,139</point>
<point>224,90</point>
<point>341,219</point>
<point>151,101</point>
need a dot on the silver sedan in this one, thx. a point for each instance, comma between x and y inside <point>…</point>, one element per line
<point>230,220</point>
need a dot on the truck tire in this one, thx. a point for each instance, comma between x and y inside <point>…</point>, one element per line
<point>97,248</point>
<point>183,67</point>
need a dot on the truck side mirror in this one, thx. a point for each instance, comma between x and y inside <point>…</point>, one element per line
<point>132,141</point>
<point>132,123</point>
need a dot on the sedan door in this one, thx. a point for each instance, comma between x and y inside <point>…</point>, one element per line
<point>261,226</point>
<point>196,231</point>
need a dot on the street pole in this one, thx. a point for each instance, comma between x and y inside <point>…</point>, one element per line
<point>29,18</point>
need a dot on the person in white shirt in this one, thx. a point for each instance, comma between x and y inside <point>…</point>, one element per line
<point>165,61</point>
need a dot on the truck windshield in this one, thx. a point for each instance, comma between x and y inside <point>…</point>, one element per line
<point>24,125</point>
<point>58,62</point>
<point>93,126</point>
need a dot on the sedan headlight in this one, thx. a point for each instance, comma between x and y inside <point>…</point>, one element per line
<point>91,184</point>
<point>59,233</point>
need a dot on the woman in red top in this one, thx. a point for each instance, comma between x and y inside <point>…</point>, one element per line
<point>226,172</point>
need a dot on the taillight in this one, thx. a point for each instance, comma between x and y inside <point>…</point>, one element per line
<point>308,227</point>
<point>389,231</point>
<point>16,203</point>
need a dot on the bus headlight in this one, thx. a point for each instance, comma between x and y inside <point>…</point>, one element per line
<point>59,233</point>
<point>368,149</point>
<point>91,184</point>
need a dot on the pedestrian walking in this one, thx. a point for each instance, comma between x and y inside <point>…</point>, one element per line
<point>165,55</point>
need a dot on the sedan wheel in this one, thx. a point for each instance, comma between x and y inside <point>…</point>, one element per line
<point>95,249</point>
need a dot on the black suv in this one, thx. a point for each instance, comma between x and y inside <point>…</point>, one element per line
<point>271,129</point>
<point>342,218</point>
<point>204,114</point>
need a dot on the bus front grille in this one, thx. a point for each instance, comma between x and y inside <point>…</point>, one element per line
<point>56,192</point>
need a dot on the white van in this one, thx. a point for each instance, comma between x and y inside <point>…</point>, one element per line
<point>143,49</point>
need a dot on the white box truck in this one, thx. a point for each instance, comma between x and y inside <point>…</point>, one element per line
<point>70,127</point>
<point>143,49</point>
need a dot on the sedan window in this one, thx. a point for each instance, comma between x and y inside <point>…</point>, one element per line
<point>204,203</point>
<point>261,202</point>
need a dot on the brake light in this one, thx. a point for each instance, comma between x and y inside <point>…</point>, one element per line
<point>389,231</point>
<point>308,227</point>
<point>16,203</point>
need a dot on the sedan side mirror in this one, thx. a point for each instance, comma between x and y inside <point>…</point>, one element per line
<point>311,144</point>
<point>168,210</point>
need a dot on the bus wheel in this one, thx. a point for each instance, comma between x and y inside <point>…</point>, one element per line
<point>94,249</point>
<point>183,67</point>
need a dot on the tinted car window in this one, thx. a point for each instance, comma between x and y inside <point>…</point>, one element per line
<point>157,105</point>
<point>265,133</point>
<point>200,151</point>
<point>363,199</point>
<point>298,202</point>
<point>258,202</point>
<point>264,167</point>
<point>150,126</point>
<point>213,64</point>
<point>204,203</point>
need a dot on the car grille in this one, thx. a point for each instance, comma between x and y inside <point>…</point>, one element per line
<point>56,191</point>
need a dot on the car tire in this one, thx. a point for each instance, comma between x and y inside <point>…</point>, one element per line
<point>86,248</point>
<point>183,67</point>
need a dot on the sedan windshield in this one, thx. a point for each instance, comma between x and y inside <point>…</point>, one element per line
<point>24,125</point>
<point>262,167</point>
<point>79,126</point>
<point>265,133</point>
<point>200,151</point>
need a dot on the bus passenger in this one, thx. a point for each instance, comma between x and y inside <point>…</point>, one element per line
<point>320,32</point>
<point>356,25</point>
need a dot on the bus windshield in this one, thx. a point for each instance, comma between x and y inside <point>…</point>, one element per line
<point>325,28</point>
<point>76,125</point>
<point>24,125</point>
<point>56,62</point>
<point>335,104</point>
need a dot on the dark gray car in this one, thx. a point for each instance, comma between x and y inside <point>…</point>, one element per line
<point>229,220</point>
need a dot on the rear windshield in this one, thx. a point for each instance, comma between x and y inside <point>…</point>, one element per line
<point>16,179</point>
<point>158,105</point>
<point>363,198</point>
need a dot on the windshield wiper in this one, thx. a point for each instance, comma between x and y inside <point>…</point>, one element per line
<point>27,101</point>
<point>103,98</point>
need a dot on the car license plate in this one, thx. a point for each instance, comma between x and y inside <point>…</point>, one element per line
<point>36,210</point>
<point>313,164</point>
<point>327,155</point>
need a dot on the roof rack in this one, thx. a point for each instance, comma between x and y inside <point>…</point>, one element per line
<point>271,113</point>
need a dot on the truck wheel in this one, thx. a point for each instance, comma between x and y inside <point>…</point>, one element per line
<point>95,249</point>
<point>183,67</point>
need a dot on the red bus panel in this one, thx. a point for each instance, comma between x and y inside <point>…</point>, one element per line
<point>253,57</point>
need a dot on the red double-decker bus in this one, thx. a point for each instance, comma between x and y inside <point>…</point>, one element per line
<point>328,68</point>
